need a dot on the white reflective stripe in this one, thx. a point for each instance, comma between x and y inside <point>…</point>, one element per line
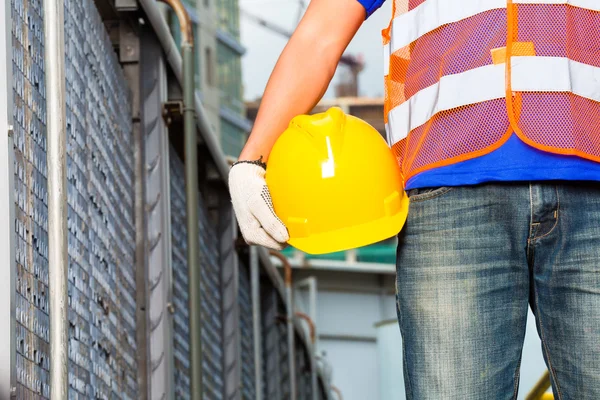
<point>555,74</point>
<point>529,74</point>
<point>587,4</point>
<point>387,133</point>
<point>386,59</point>
<point>474,86</point>
<point>432,14</point>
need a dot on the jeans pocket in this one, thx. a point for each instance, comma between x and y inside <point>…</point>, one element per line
<point>422,194</point>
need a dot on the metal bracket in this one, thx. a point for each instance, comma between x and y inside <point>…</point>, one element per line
<point>126,5</point>
<point>171,308</point>
<point>129,44</point>
<point>10,131</point>
<point>172,112</point>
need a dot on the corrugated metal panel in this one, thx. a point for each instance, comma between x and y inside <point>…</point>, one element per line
<point>212,309</point>
<point>282,328</point>
<point>275,351</point>
<point>211,294</point>
<point>181,329</point>
<point>230,282</point>
<point>32,322</point>
<point>158,216</point>
<point>102,345</point>
<point>247,334</point>
<point>98,94</point>
<point>270,336</point>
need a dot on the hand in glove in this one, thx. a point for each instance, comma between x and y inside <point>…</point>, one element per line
<point>253,206</point>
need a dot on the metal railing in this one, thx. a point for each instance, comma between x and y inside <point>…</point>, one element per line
<point>538,392</point>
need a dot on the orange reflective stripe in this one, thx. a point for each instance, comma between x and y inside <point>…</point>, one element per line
<point>457,159</point>
<point>512,33</point>
<point>519,49</point>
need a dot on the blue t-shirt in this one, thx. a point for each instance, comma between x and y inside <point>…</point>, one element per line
<point>513,161</point>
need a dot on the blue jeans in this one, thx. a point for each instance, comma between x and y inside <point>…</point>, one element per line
<point>471,260</point>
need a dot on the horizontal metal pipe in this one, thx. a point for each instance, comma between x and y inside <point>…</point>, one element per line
<point>343,266</point>
<point>347,338</point>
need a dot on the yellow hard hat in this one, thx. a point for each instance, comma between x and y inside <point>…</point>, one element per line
<point>335,183</point>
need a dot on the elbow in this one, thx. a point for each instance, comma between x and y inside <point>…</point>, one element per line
<point>326,50</point>
<point>329,54</point>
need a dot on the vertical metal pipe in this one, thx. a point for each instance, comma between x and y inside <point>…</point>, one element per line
<point>256,320</point>
<point>312,291</point>
<point>290,340</point>
<point>313,311</point>
<point>141,261</point>
<point>191,195</point>
<point>314,381</point>
<point>287,267</point>
<point>8,353</point>
<point>313,361</point>
<point>193,250</point>
<point>54,60</point>
<point>311,284</point>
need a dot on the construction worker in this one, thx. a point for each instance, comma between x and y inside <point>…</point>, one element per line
<point>493,110</point>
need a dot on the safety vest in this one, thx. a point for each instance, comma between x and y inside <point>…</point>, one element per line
<point>462,75</point>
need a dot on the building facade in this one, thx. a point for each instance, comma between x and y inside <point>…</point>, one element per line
<point>219,68</point>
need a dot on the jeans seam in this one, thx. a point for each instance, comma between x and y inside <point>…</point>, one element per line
<point>545,344</point>
<point>516,378</point>
<point>417,198</point>
<point>557,217</point>
<point>404,363</point>
<point>530,210</point>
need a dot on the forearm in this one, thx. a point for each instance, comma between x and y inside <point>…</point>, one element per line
<point>303,71</point>
<point>296,85</point>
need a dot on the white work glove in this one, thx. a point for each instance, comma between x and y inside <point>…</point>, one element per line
<point>254,208</point>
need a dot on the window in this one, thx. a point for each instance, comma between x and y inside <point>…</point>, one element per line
<point>197,63</point>
<point>210,66</point>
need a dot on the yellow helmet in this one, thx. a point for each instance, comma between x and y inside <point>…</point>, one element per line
<point>335,183</point>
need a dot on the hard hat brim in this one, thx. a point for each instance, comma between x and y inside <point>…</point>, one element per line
<point>353,236</point>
